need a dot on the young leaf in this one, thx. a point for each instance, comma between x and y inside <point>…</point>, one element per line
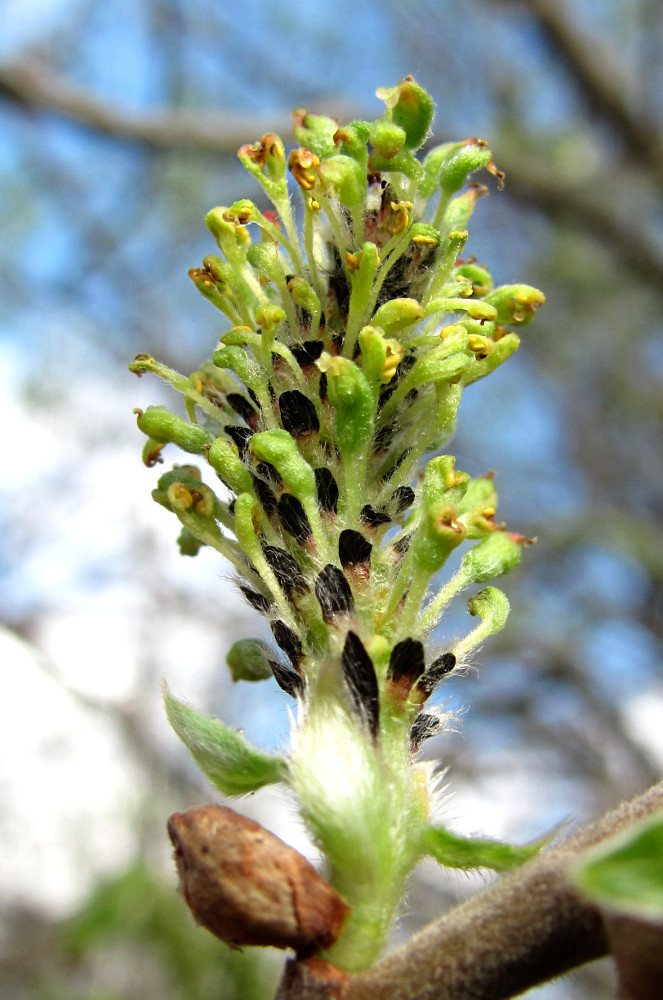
<point>453,851</point>
<point>626,872</point>
<point>222,754</point>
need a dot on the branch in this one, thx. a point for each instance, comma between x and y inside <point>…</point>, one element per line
<point>35,87</point>
<point>524,930</point>
<point>596,71</point>
<point>532,184</point>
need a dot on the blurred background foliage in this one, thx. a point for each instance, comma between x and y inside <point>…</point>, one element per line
<point>120,123</point>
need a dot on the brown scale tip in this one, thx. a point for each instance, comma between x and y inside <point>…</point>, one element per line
<point>249,888</point>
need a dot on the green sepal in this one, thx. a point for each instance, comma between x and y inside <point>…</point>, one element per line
<point>480,277</point>
<point>248,660</point>
<point>160,424</point>
<point>403,162</point>
<point>351,140</point>
<point>411,107</point>
<point>462,160</point>
<point>223,754</point>
<point>625,873</point>
<point>467,853</point>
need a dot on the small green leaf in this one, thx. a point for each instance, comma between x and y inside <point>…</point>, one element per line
<point>626,872</point>
<point>453,851</point>
<point>222,753</point>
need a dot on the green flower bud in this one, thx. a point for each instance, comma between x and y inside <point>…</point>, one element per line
<point>492,606</point>
<point>481,278</point>
<point>411,107</point>
<point>264,258</point>
<point>438,535</point>
<point>350,394</point>
<point>461,160</point>
<point>494,556</point>
<point>351,140</point>
<point>238,361</point>
<point>387,137</point>
<point>223,456</point>
<point>269,317</point>
<point>161,425</point>
<point>397,314</point>
<point>442,483</point>
<point>315,132</point>
<point>303,296</point>
<point>515,304</point>
<point>438,366</point>
<point>230,236</point>
<point>346,178</point>
<point>248,660</point>
<point>480,367</point>
<point>279,449</point>
<point>379,357</point>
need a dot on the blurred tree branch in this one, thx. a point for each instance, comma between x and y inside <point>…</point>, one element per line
<point>602,80</point>
<point>34,87</point>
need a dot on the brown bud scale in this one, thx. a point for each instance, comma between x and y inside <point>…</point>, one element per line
<point>249,888</point>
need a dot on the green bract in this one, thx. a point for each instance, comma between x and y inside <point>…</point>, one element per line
<point>347,345</point>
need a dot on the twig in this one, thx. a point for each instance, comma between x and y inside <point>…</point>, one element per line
<point>522,931</point>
